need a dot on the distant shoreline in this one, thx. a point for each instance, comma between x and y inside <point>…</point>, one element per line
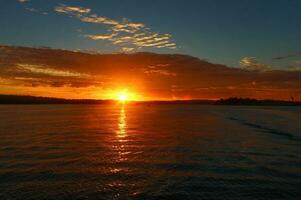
<point>31,100</point>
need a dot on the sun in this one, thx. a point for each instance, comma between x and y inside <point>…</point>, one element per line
<point>123,97</point>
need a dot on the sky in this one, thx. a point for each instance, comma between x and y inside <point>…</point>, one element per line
<point>223,32</point>
<point>248,48</point>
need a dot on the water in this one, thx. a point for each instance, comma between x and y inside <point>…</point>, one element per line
<point>149,152</point>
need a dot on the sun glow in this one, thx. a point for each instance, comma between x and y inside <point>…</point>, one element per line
<point>123,96</point>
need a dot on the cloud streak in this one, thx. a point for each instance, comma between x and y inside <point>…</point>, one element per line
<point>287,56</point>
<point>40,69</point>
<point>123,33</point>
<point>101,37</point>
<point>251,64</point>
<point>71,9</point>
<point>23,1</point>
<point>31,9</point>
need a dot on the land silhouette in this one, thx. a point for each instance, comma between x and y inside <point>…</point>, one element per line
<point>20,99</point>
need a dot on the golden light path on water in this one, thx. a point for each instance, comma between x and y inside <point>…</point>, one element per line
<point>121,133</point>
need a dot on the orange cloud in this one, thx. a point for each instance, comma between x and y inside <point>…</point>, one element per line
<point>71,9</point>
<point>156,76</point>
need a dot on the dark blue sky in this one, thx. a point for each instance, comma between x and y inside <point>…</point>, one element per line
<point>220,31</point>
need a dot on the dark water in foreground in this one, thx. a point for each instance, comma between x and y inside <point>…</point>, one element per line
<point>149,152</point>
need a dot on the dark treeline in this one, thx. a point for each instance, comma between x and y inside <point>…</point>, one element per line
<point>16,99</point>
<point>248,101</point>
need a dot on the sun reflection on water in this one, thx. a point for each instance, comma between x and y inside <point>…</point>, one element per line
<point>121,133</point>
<point>121,141</point>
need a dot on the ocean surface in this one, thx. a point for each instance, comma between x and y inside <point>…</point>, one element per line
<point>149,152</point>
